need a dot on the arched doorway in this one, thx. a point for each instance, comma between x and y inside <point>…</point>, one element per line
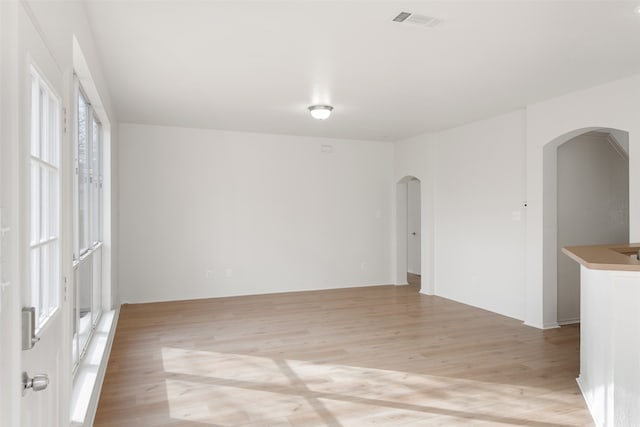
<point>585,201</point>
<point>408,231</point>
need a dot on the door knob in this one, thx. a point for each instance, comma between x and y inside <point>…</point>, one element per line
<point>36,383</point>
<point>413,234</point>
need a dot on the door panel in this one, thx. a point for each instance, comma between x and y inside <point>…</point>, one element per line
<point>413,227</point>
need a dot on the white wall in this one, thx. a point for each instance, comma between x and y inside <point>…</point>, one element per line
<point>207,213</point>
<point>593,207</point>
<point>615,105</point>
<point>473,194</point>
<point>469,218</point>
<point>399,247</point>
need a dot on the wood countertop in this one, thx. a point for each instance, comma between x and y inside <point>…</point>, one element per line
<point>606,257</point>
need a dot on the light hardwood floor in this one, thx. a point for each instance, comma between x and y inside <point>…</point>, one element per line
<point>385,356</point>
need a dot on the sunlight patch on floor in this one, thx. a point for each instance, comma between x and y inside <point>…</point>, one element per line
<point>231,389</point>
<point>222,366</point>
<point>227,405</point>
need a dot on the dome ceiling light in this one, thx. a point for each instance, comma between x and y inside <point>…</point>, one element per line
<point>320,112</point>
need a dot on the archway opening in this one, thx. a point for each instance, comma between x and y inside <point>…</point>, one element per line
<point>409,233</point>
<point>586,202</point>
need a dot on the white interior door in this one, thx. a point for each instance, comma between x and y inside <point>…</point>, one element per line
<point>40,246</point>
<point>413,227</point>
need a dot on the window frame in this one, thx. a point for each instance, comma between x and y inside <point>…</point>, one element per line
<point>90,257</point>
<point>45,226</point>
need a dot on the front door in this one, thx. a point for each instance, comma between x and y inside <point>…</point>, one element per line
<point>45,356</point>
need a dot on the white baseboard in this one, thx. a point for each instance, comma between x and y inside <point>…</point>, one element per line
<point>569,321</point>
<point>597,422</point>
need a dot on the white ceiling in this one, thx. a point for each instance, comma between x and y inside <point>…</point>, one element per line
<point>256,65</point>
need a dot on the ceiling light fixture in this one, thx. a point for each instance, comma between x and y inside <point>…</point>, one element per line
<point>637,10</point>
<point>320,112</point>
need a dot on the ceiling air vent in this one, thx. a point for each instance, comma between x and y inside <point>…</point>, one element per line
<point>413,18</point>
<point>401,17</point>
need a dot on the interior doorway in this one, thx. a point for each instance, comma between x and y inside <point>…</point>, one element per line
<point>586,202</point>
<point>593,206</point>
<point>409,235</point>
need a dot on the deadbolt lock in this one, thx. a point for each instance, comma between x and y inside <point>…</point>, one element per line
<point>29,337</point>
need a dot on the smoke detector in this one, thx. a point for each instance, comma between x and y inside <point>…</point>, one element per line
<point>416,19</point>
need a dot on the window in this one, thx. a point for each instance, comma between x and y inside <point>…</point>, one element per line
<point>44,205</point>
<point>96,164</point>
<point>87,271</point>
